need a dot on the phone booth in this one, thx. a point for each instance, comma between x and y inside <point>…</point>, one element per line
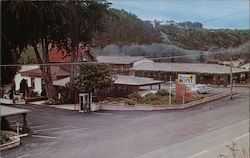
<point>85,99</point>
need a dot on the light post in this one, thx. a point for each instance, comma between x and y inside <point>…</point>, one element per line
<point>183,97</point>
<point>231,75</point>
<point>17,128</point>
<point>170,91</point>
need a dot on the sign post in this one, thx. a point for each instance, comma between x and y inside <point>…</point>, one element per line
<point>170,91</point>
<point>17,128</point>
<point>185,80</point>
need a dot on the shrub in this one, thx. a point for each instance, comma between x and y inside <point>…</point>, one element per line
<point>157,102</point>
<point>150,97</point>
<point>162,92</point>
<point>129,102</point>
<point>32,93</point>
<point>50,102</point>
<point>4,139</point>
<point>136,97</point>
<point>110,99</point>
<point>120,99</point>
<point>25,130</point>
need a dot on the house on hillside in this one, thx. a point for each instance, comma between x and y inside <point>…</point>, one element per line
<point>122,64</point>
<point>205,73</point>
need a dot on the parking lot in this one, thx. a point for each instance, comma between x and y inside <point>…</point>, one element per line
<point>64,133</point>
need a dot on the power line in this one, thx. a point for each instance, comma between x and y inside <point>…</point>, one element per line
<point>228,15</point>
<point>95,62</point>
<point>182,56</point>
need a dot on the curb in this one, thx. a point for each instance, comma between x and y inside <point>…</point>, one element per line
<point>151,108</point>
<point>205,100</point>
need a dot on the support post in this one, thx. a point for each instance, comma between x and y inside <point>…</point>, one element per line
<point>17,128</point>
<point>234,85</point>
<point>170,91</point>
<point>25,128</point>
<point>183,97</point>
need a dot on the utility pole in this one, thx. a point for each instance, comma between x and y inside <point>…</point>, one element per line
<point>0,59</point>
<point>231,74</point>
<point>170,91</point>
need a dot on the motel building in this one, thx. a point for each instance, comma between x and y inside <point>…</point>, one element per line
<point>205,73</point>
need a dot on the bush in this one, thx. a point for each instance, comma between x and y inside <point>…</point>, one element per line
<point>157,102</point>
<point>120,99</point>
<point>110,99</point>
<point>4,139</point>
<point>150,97</point>
<point>136,97</point>
<point>162,92</point>
<point>32,93</point>
<point>154,99</point>
<point>50,102</point>
<point>129,102</point>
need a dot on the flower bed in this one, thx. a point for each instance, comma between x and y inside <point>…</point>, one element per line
<point>8,139</point>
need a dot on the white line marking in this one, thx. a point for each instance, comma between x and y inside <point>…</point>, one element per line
<point>38,126</point>
<point>99,113</point>
<point>42,136</point>
<point>72,130</point>
<point>19,124</point>
<point>48,129</point>
<point>247,134</point>
<point>22,156</point>
<point>198,154</point>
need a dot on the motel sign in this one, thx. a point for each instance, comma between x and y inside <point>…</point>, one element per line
<point>186,79</point>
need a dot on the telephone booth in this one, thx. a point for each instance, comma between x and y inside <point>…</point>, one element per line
<point>85,100</point>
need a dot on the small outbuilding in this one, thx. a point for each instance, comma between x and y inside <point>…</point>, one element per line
<point>7,111</point>
<point>123,86</point>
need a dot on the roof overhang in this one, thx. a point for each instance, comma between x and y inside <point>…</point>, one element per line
<point>11,111</point>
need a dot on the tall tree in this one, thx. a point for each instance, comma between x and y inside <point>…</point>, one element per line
<point>32,23</point>
<point>85,18</point>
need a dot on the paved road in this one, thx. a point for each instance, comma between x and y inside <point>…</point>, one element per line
<point>168,134</point>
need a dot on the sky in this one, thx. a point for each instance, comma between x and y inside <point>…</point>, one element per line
<point>214,14</point>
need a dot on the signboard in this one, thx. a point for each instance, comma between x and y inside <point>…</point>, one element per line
<point>186,79</point>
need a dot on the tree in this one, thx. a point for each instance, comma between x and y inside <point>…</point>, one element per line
<point>85,18</point>
<point>46,24</point>
<point>92,77</point>
<point>32,23</point>
<point>24,88</point>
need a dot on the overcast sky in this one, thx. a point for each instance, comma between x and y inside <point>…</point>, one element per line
<point>212,13</point>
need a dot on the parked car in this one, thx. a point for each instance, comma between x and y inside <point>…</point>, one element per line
<point>145,92</point>
<point>168,84</point>
<point>201,89</point>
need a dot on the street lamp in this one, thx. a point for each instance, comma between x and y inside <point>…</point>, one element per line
<point>231,74</point>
